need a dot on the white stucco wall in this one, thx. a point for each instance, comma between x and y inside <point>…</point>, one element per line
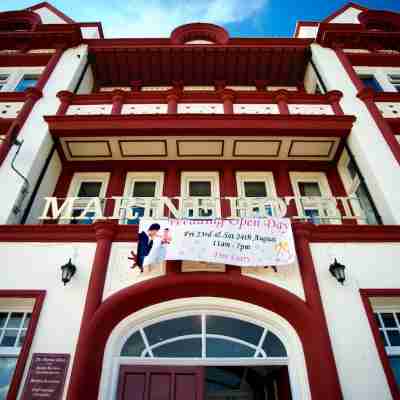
<point>36,266</point>
<point>377,166</point>
<point>368,265</point>
<point>307,32</point>
<point>86,86</point>
<point>350,16</point>
<point>48,16</point>
<point>37,141</point>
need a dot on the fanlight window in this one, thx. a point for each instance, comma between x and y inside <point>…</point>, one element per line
<point>204,336</point>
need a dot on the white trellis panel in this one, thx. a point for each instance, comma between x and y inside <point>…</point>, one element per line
<point>92,109</point>
<point>144,109</point>
<point>389,110</point>
<point>200,108</point>
<point>310,109</point>
<point>255,109</point>
<point>10,110</point>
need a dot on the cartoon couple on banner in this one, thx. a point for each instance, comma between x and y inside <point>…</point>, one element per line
<point>146,244</point>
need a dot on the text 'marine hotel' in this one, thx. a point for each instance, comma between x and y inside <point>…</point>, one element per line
<point>305,127</point>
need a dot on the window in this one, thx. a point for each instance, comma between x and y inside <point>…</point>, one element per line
<point>139,189</point>
<point>389,327</point>
<point>200,192</point>
<point>369,81</point>
<point>314,197</point>
<point>203,336</point>
<point>86,186</point>
<point>13,327</point>
<point>256,191</point>
<point>395,81</point>
<point>360,202</point>
<point>26,82</point>
<point>3,81</point>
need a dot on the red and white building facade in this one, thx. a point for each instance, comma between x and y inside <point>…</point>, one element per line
<point>305,127</point>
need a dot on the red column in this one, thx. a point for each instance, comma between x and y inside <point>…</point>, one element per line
<point>172,100</point>
<point>319,339</point>
<point>334,97</point>
<point>227,96</point>
<point>105,232</point>
<point>284,188</point>
<point>281,98</point>
<point>367,96</point>
<point>219,85</point>
<point>118,97</point>
<point>65,97</point>
<point>228,189</point>
<point>115,188</point>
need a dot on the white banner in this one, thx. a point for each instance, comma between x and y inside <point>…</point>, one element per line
<point>246,242</point>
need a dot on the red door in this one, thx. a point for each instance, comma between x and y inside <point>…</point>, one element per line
<point>160,383</point>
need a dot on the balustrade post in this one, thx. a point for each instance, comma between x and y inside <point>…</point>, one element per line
<point>65,97</point>
<point>118,97</point>
<point>173,96</point>
<point>334,97</point>
<point>219,85</point>
<point>261,85</point>
<point>228,97</point>
<point>281,98</point>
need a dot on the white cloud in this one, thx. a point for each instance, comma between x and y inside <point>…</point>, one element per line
<point>157,18</point>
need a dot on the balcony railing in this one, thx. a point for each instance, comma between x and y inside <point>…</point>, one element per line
<point>319,210</point>
<point>11,104</point>
<point>388,104</point>
<point>174,101</point>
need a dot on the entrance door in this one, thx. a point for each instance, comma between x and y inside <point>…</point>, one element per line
<point>160,383</point>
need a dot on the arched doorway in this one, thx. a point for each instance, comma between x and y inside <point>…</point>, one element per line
<point>211,348</point>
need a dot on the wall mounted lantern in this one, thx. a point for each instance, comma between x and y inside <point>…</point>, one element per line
<point>337,271</point>
<point>67,272</point>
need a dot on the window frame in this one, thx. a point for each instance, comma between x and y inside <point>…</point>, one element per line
<point>80,177</point>
<point>16,75</point>
<point>321,179</point>
<point>22,301</point>
<point>132,177</point>
<point>196,176</point>
<point>255,176</point>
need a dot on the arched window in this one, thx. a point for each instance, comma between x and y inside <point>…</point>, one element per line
<point>204,336</point>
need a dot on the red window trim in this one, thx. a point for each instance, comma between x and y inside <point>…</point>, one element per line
<point>365,297</point>
<point>39,296</point>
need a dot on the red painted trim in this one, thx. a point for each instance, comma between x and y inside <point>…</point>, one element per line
<point>57,12</point>
<point>15,18</point>
<point>195,124</point>
<point>301,24</point>
<point>367,96</point>
<point>39,296</point>
<point>45,75</point>
<point>127,233</point>
<point>25,59</point>
<point>377,59</point>
<point>365,295</point>
<point>342,10</point>
<point>85,375</point>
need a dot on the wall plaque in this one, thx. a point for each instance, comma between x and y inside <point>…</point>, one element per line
<point>46,376</point>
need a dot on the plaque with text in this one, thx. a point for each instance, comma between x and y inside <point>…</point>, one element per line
<point>46,377</point>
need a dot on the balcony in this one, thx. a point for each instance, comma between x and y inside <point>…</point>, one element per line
<point>178,124</point>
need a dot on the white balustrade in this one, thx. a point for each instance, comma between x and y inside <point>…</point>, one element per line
<point>255,109</point>
<point>200,108</point>
<point>310,109</point>
<point>144,109</point>
<point>389,110</point>
<point>92,109</point>
<point>10,110</point>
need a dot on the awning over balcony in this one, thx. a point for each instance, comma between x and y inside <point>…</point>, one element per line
<point>121,137</point>
<point>118,62</point>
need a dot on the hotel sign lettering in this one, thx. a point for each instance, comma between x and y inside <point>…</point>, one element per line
<point>46,377</point>
<point>199,207</point>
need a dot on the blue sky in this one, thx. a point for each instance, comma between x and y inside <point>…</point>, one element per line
<point>157,18</point>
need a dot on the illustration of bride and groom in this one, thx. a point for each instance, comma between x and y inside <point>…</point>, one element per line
<point>151,247</point>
